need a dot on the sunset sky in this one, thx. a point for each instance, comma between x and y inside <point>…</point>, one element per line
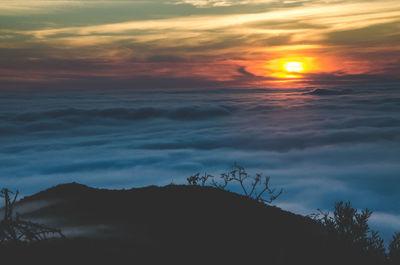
<point>196,43</point>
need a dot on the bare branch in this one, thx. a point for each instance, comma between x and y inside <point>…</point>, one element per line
<point>251,186</point>
<point>15,230</point>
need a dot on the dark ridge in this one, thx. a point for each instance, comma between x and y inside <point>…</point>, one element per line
<point>59,192</point>
<point>174,224</point>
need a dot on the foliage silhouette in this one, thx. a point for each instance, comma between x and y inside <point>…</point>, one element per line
<point>255,187</point>
<point>394,250</point>
<point>14,230</point>
<point>351,225</point>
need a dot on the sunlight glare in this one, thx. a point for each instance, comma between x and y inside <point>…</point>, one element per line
<point>296,67</point>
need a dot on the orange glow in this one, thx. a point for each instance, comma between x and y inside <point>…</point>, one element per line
<point>296,67</point>
<point>291,67</point>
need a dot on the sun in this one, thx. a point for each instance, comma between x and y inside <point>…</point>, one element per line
<point>293,67</point>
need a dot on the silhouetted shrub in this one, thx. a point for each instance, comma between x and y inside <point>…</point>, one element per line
<point>394,250</point>
<point>16,231</point>
<point>255,187</point>
<point>352,226</point>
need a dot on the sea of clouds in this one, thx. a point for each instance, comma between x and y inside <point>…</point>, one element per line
<point>320,144</point>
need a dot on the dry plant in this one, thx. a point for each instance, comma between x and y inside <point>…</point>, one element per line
<point>255,187</point>
<point>14,230</point>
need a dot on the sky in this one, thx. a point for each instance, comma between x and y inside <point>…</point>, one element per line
<point>185,43</point>
<point>120,94</point>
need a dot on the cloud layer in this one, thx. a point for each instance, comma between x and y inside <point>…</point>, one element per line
<point>321,144</point>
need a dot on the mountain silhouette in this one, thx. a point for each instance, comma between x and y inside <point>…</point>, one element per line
<point>175,224</point>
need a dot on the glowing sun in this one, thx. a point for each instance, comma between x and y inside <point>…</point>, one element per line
<point>293,67</point>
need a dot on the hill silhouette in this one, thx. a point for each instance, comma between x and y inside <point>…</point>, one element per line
<point>172,224</point>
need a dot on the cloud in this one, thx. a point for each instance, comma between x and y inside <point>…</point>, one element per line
<point>242,70</point>
<point>361,14</point>
<point>210,44</point>
<point>99,166</point>
<point>72,115</point>
<point>280,143</point>
<point>386,220</point>
<point>68,119</point>
<point>343,78</point>
<point>330,92</point>
<point>8,8</point>
<point>222,3</point>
